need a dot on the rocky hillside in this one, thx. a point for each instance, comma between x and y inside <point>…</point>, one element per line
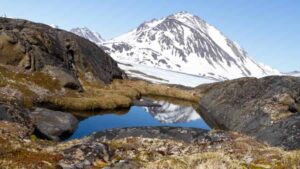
<point>184,42</point>
<point>31,47</point>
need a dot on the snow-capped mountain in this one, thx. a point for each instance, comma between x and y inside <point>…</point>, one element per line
<point>185,43</point>
<point>172,113</point>
<point>88,34</point>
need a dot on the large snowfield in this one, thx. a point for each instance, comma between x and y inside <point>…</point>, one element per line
<point>158,75</point>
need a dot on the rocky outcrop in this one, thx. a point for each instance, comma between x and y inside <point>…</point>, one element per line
<point>83,155</point>
<point>267,108</point>
<point>33,47</point>
<point>54,125</point>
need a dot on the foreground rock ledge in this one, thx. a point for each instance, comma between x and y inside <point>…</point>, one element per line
<point>139,148</point>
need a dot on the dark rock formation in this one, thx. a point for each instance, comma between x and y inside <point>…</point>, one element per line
<point>32,46</point>
<point>53,125</point>
<point>266,108</point>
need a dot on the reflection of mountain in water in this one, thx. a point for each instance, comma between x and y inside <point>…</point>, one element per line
<point>172,113</point>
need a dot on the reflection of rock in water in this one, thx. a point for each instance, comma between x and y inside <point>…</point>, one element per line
<point>172,113</point>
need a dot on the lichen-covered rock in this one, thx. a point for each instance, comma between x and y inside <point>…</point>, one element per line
<point>32,46</point>
<point>84,155</point>
<point>267,108</point>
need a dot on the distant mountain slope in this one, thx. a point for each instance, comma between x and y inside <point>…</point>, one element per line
<point>88,34</point>
<point>294,73</point>
<point>185,43</point>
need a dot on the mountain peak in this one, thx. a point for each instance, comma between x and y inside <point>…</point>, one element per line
<point>182,17</point>
<point>86,33</point>
<point>182,14</point>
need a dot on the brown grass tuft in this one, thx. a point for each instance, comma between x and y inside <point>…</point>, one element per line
<point>111,101</point>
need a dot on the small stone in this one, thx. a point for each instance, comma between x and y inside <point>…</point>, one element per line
<point>87,162</point>
<point>27,140</point>
<point>79,165</point>
<point>219,146</point>
<point>79,155</point>
<point>65,166</point>
<point>248,159</point>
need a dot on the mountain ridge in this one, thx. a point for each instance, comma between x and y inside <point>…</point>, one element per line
<point>293,73</point>
<point>186,43</point>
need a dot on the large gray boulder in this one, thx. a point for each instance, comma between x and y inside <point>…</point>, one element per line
<point>54,125</point>
<point>266,108</point>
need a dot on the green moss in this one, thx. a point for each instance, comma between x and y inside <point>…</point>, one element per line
<point>33,138</point>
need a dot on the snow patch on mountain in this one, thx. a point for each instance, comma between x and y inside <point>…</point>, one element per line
<point>54,26</point>
<point>158,75</point>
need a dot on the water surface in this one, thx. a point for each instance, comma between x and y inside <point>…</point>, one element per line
<point>169,114</point>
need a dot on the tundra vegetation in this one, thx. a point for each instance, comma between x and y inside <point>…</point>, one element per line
<point>19,151</point>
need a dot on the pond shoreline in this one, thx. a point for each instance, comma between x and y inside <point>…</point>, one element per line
<point>150,111</point>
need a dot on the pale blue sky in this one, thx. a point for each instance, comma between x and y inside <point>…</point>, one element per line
<point>268,29</point>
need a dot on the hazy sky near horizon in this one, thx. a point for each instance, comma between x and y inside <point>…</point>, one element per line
<point>268,30</point>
